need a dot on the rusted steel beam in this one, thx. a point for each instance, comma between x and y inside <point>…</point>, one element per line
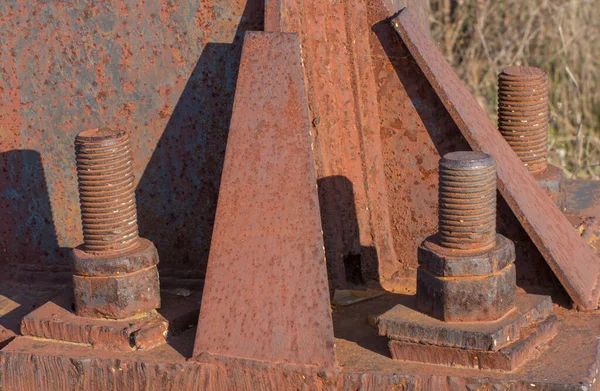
<point>266,295</point>
<point>415,132</point>
<point>571,259</point>
<point>344,114</point>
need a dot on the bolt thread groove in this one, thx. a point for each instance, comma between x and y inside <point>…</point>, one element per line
<point>106,190</point>
<point>467,201</point>
<point>523,114</point>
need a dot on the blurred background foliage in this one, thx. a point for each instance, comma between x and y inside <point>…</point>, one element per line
<point>481,37</point>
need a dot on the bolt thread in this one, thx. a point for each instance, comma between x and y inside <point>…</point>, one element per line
<point>106,190</point>
<point>523,114</point>
<point>467,201</point>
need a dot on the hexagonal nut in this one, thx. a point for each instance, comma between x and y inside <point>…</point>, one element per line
<point>446,262</point>
<point>466,299</point>
<point>117,297</point>
<point>551,181</point>
<point>141,257</point>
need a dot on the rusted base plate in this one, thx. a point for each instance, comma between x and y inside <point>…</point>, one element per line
<point>405,323</point>
<point>55,322</point>
<point>569,363</point>
<point>508,358</point>
<point>5,336</point>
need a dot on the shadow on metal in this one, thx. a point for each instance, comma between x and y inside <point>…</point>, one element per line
<point>341,234</point>
<point>438,123</point>
<point>27,233</point>
<point>177,193</point>
<point>533,273</point>
<point>349,321</point>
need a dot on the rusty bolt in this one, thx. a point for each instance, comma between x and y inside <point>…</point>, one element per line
<point>106,190</point>
<point>467,201</point>
<point>523,114</point>
<point>466,271</point>
<point>114,270</point>
<point>523,122</point>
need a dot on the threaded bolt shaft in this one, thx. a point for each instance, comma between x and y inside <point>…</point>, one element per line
<point>523,114</point>
<point>467,201</point>
<point>106,190</point>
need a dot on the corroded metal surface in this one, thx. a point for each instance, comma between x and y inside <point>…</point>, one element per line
<point>552,182</point>
<point>86,264</point>
<point>583,197</point>
<point>448,262</point>
<point>573,262</point>
<point>115,274</point>
<point>106,190</point>
<point>267,267</point>
<point>119,295</point>
<point>364,358</point>
<point>167,74</point>
<point>344,117</point>
<point>416,131</point>
<point>165,71</point>
<point>404,322</point>
<point>510,358</point>
<point>467,201</point>
<point>361,241</point>
<point>465,295</point>
<point>466,270</point>
<point>523,114</point>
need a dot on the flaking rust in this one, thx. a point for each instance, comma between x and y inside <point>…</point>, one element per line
<point>115,273</point>
<point>466,283</point>
<point>571,259</point>
<point>268,243</point>
<point>329,123</point>
<point>115,278</point>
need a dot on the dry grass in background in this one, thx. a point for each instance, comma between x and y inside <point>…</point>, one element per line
<point>481,37</point>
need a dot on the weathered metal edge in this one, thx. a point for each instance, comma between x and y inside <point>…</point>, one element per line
<point>577,267</point>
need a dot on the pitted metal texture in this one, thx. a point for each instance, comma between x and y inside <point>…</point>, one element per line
<point>106,190</point>
<point>467,201</point>
<point>523,114</point>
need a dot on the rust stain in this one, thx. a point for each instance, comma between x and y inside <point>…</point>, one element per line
<point>69,67</point>
<point>573,262</point>
<point>268,239</point>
